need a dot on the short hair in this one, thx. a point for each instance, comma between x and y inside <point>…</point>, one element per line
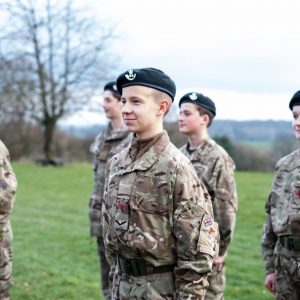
<point>159,96</point>
<point>204,111</point>
<point>116,95</point>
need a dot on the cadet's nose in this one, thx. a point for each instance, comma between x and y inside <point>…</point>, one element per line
<point>125,108</point>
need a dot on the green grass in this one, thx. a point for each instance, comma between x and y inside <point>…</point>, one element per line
<point>245,275</point>
<point>53,254</point>
<point>55,259</point>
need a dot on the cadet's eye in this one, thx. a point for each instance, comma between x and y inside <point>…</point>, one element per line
<point>136,101</point>
<point>123,101</point>
<point>107,100</point>
<point>295,116</point>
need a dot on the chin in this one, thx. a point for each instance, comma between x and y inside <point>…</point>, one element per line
<point>130,128</point>
<point>183,131</point>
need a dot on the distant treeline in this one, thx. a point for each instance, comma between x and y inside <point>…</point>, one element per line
<point>252,130</point>
<point>245,143</point>
<point>254,145</point>
<point>265,131</point>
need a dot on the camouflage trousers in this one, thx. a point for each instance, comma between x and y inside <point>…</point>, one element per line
<point>287,271</point>
<point>4,295</point>
<point>217,282</point>
<point>5,268</point>
<point>104,269</point>
<point>156,286</point>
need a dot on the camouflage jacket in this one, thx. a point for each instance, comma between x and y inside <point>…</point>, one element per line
<point>156,208</point>
<point>106,144</point>
<point>8,187</point>
<point>282,207</point>
<point>216,169</point>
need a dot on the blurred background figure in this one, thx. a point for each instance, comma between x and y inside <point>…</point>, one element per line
<point>281,231</point>
<point>109,142</point>
<point>8,186</point>
<point>216,169</point>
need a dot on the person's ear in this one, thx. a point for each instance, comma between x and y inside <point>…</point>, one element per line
<point>163,107</point>
<point>206,119</point>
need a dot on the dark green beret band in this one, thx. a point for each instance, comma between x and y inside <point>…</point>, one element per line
<point>200,100</point>
<point>111,86</point>
<point>295,100</point>
<point>149,77</point>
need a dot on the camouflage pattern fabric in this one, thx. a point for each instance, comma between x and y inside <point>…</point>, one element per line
<point>287,272</point>
<point>217,283</point>
<point>4,295</point>
<point>216,169</point>
<point>104,147</point>
<point>104,268</point>
<point>8,186</point>
<point>283,218</point>
<point>157,209</point>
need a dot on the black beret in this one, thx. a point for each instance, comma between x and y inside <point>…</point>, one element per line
<point>200,100</point>
<point>295,100</point>
<point>149,77</point>
<point>111,86</point>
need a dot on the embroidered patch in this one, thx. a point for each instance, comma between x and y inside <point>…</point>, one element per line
<point>208,221</point>
<point>297,193</point>
<point>120,222</point>
<point>3,185</point>
<point>211,230</point>
<point>121,205</point>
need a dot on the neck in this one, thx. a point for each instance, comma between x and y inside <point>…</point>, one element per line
<point>149,133</point>
<point>197,138</point>
<point>117,123</point>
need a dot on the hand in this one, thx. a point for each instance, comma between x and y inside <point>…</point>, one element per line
<point>270,282</point>
<point>219,260</point>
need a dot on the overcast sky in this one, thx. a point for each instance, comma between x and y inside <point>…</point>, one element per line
<point>244,55</point>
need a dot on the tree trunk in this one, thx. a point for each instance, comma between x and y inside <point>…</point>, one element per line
<point>49,127</point>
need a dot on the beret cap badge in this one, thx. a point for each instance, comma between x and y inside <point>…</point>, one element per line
<point>193,96</point>
<point>130,76</point>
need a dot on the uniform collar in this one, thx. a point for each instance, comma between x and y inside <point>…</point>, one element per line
<point>148,158</point>
<point>118,134</point>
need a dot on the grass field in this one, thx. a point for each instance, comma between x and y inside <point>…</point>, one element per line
<point>54,258</point>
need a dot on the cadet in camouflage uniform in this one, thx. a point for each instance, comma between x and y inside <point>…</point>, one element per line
<point>111,141</point>
<point>216,169</point>
<point>281,230</point>
<point>8,186</point>
<point>160,236</point>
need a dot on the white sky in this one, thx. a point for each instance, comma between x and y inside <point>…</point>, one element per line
<point>244,55</point>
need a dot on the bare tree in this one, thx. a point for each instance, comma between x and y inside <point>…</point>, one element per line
<point>55,57</point>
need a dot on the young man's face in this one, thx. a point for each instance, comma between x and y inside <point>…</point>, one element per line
<point>296,121</point>
<point>190,120</point>
<point>140,110</point>
<point>111,106</point>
